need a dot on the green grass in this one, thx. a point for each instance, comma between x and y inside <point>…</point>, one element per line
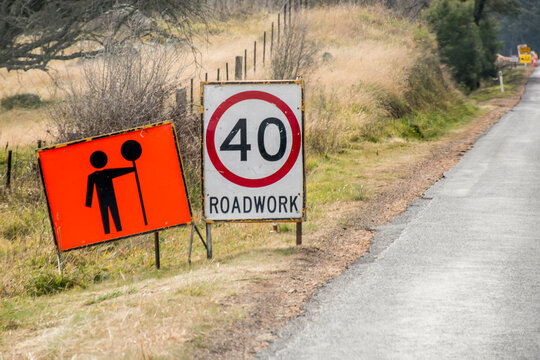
<point>331,180</point>
<point>48,282</point>
<point>285,227</point>
<point>432,125</point>
<point>104,297</point>
<point>491,89</point>
<point>423,124</point>
<point>24,101</point>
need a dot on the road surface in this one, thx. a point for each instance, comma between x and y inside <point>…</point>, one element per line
<point>455,277</point>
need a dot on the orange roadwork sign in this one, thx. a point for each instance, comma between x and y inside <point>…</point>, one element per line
<point>114,186</point>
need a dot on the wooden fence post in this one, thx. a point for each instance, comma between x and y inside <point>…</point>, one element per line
<point>238,68</point>
<point>290,12</point>
<point>217,74</point>
<point>254,57</point>
<point>278,28</point>
<point>285,18</point>
<point>245,63</point>
<point>272,40</point>
<point>227,71</point>
<point>191,95</point>
<point>39,144</point>
<point>8,173</point>
<point>264,47</point>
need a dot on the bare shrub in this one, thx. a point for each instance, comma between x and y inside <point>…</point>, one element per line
<point>295,53</point>
<point>123,89</point>
<point>119,90</point>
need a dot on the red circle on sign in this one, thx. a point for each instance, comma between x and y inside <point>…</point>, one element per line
<point>211,132</point>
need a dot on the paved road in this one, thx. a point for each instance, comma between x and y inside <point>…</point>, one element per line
<point>455,277</point>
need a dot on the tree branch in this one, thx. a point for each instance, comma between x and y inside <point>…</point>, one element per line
<point>34,32</point>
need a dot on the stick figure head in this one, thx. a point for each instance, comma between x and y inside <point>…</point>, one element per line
<point>131,150</point>
<point>98,159</point>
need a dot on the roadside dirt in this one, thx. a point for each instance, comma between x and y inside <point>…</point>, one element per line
<point>280,295</point>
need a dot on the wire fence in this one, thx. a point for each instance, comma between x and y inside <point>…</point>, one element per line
<point>19,167</point>
<point>246,63</point>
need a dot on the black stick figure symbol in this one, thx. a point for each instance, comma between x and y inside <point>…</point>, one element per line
<point>102,180</point>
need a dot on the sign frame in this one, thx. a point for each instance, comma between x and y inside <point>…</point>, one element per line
<point>300,82</point>
<point>75,142</point>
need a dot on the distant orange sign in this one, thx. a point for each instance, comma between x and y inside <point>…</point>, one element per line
<point>525,50</point>
<point>114,186</point>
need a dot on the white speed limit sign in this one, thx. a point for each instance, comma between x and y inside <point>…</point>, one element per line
<point>253,151</point>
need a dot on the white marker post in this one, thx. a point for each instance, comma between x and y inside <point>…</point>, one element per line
<point>501,81</point>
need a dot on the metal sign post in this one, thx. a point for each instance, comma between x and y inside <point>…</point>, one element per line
<point>193,229</point>
<point>208,240</point>
<point>298,233</point>
<point>156,246</point>
<point>59,258</point>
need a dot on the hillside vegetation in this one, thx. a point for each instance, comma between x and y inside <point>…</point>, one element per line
<point>376,97</point>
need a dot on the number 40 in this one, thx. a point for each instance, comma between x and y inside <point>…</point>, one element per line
<point>244,147</point>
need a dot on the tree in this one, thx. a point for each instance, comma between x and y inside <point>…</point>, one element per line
<point>521,27</point>
<point>467,48</point>
<point>34,32</point>
<point>295,54</point>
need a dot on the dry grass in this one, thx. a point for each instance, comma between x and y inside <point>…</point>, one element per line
<point>23,127</point>
<point>151,317</point>
<point>372,53</point>
<point>367,58</point>
<point>39,82</point>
